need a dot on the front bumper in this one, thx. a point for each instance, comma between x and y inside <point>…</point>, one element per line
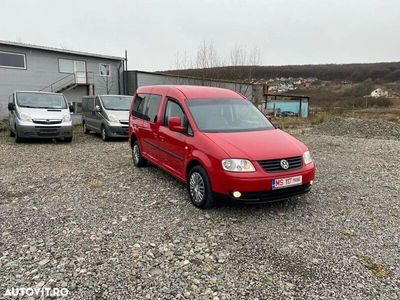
<point>44,132</point>
<point>257,186</point>
<point>273,195</point>
<point>117,131</point>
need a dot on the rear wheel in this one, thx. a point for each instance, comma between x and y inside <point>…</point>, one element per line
<point>138,160</point>
<point>199,188</point>
<point>104,135</point>
<point>85,130</point>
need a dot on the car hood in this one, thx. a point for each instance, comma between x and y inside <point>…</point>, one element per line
<point>44,113</point>
<point>258,145</point>
<point>122,115</point>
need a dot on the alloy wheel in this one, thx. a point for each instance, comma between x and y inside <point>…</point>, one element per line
<point>136,153</point>
<point>197,187</point>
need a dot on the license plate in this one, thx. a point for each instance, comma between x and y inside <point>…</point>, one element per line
<point>286,182</point>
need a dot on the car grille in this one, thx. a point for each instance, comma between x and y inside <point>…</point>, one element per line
<point>274,165</point>
<point>275,195</point>
<point>48,130</point>
<point>46,122</point>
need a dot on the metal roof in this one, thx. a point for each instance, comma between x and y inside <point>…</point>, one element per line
<point>45,48</point>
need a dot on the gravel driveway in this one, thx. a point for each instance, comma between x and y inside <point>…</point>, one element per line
<point>80,216</point>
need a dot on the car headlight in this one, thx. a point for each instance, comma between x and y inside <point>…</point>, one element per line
<point>112,118</point>
<point>25,117</point>
<point>66,118</point>
<point>307,157</point>
<point>237,165</point>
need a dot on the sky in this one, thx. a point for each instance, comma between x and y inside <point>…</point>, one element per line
<point>158,33</point>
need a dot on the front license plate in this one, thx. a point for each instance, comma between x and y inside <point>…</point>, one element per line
<point>286,182</point>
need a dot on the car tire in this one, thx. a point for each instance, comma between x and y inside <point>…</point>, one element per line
<point>85,130</point>
<point>199,188</point>
<point>18,139</point>
<point>104,135</point>
<point>137,158</point>
<point>68,139</point>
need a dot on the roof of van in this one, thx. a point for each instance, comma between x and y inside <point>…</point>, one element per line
<point>197,92</point>
<point>108,95</point>
<point>38,92</point>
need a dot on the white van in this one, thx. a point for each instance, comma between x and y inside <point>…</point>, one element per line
<point>39,115</point>
<point>107,115</point>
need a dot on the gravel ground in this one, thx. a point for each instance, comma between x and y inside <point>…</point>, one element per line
<point>380,129</point>
<point>81,216</point>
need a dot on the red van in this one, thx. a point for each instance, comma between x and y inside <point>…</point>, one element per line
<point>218,143</point>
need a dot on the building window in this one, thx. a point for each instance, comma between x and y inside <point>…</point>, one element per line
<point>104,69</point>
<point>12,60</point>
<point>71,66</point>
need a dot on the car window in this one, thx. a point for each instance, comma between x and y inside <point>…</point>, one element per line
<point>146,106</point>
<point>174,110</point>
<point>97,102</point>
<point>139,105</point>
<point>90,104</point>
<point>152,107</point>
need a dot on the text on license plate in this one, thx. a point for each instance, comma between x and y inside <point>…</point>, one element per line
<point>286,182</point>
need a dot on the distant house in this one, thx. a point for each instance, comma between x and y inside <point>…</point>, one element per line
<point>379,93</point>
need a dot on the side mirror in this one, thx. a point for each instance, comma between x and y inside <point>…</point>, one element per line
<point>97,108</point>
<point>71,108</point>
<point>11,106</point>
<point>174,124</point>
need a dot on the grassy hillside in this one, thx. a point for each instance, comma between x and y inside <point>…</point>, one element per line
<point>384,72</point>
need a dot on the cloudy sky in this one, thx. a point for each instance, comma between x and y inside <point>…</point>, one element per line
<point>157,33</point>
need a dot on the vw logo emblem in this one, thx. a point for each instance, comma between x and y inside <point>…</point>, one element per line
<point>284,164</point>
<point>48,121</point>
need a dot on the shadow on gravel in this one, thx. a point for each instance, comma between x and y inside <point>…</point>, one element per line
<point>41,141</point>
<point>98,136</point>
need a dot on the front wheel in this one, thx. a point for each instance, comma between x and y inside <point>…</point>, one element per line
<point>104,135</point>
<point>85,130</point>
<point>18,139</point>
<point>138,160</point>
<point>199,188</point>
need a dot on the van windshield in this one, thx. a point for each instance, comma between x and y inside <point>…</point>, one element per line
<point>116,102</point>
<point>41,100</point>
<point>227,115</point>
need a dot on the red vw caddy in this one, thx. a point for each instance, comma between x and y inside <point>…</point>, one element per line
<point>217,142</point>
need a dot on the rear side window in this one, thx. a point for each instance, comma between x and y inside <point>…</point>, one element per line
<point>146,107</point>
<point>152,107</point>
<point>87,104</point>
<point>139,105</point>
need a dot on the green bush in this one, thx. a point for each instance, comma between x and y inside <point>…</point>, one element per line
<point>359,90</point>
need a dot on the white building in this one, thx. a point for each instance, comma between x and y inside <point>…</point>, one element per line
<point>379,93</point>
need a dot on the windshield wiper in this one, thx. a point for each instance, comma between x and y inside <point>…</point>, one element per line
<point>28,106</point>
